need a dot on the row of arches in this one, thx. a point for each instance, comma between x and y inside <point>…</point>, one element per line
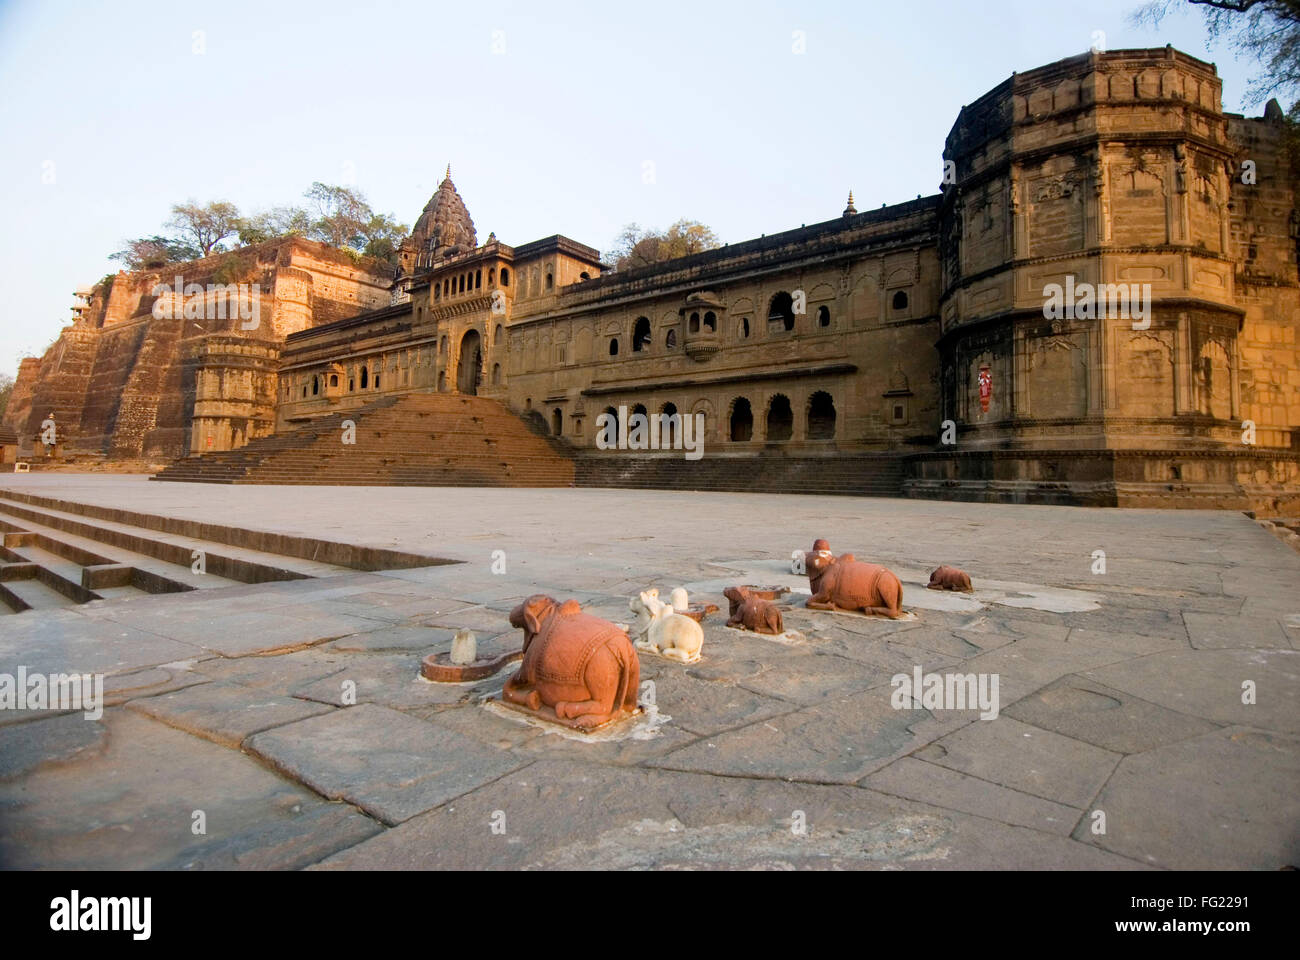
<point>778,421</point>
<point>469,281</point>
<point>317,382</point>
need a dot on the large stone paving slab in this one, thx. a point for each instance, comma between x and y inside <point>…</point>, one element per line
<point>931,783</point>
<point>225,713</point>
<point>1105,717</point>
<point>389,764</point>
<point>837,742</point>
<point>132,806</point>
<point>1025,758</point>
<point>1208,683</point>
<point>1224,800</point>
<point>568,814</point>
<point>56,739</point>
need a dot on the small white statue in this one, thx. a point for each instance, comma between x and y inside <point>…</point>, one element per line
<point>660,629</point>
<point>464,648</point>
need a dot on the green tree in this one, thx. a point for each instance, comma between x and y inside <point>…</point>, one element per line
<point>635,247</point>
<point>151,253</point>
<point>344,220</point>
<point>274,223</point>
<point>341,215</point>
<point>204,227</point>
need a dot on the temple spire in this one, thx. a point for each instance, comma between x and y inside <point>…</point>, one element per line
<point>850,209</point>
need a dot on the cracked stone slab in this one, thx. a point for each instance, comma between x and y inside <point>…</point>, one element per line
<point>1025,758</point>
<point>389,639</point>
<point>1215,631</point>
<point>838,742</point>
<point>1236,806</point>
<point>1105,717</point>
<point>1208,683</point>
<point>709,707</point>
<point>931,783</point>
<point>571,815</point>
<point>1026,665</point>
<point>389,764</point>
<point>63,641</point>
<point>278,674</point>
<point>121,687</point>
<point>112,810</point>
<point>25,747</point>
<point>225,713</point>
<point>815,677</point>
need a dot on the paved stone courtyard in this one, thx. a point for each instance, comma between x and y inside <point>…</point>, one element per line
<point>1121,694</point>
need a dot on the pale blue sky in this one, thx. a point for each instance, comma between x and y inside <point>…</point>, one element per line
<point>550,136</point>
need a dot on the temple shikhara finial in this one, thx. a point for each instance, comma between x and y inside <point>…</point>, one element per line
<point>850,209</point>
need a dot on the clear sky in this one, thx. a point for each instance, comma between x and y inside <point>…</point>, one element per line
<point>548,113</point>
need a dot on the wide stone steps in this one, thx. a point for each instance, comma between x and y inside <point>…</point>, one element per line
<point>414,440</point>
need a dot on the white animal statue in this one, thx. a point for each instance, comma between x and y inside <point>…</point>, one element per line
<point>660,629</point>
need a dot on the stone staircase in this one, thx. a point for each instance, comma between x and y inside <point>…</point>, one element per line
<point>418,439</point>
<point>855,475</point>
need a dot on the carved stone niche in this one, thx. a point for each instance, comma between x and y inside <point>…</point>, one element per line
<point>702,317</point>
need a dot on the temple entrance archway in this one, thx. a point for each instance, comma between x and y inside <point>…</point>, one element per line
<point>469,368</point>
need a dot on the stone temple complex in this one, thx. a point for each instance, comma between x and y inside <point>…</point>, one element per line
<point>1099,307</point>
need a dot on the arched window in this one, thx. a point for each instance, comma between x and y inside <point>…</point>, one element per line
<point>315,386</point>
<point>437,291</point>
<point>711,321</point>
<point>694,325</point>
<point>376,381</point>
<point>823,316</point>
<point>742,421</point>
<point>584,275</point>
<point>821,416</point>
<point>550,280</point>
<point>365,378</point>
<point>672,426</point>
<point>478,279</point>
<point>304,390</point>
<point>497,334</point>
<point>613,346</point>
<point>334,379</point>
<point>505,276</point>
<point>670,340</point>
<point>352,384</point>
<point>640,334</point>
<point>557,422</point>
<point>744,328</point>
<point>780,316</point>
<point>900,300</point>
<point>613,420</point>
<point>492,275</point>
<point>496,374</point>
<point>780,419</point>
